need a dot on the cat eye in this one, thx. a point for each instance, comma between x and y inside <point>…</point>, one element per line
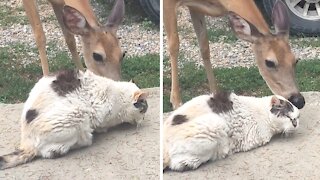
<point>138,103</point>
<point>270,64</point>
<point>142,105</point>
<point>97,57</point>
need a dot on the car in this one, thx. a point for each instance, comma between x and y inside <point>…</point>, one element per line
<point>304,15</point>
<point>152,9</point>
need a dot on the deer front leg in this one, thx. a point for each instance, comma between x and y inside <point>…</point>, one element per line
<point>34,19</point>
<point>170,25</point>
<point>199,25</point>
<point>70,40</point>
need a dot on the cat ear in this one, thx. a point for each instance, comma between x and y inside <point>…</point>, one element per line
<point>132,81</point>
<point>275,101</point>
<point>81,73</point>
<point>139,95</point>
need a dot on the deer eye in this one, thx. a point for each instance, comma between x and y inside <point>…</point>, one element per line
<point>97,57</point>
<point>270,64</point>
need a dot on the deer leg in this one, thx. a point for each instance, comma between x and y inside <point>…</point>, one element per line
<point>34,19</point>
<point>170,24</point>
<point>70,40</point>
<point>199,25</point>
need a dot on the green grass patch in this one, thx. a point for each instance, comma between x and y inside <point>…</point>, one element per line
<point>221,35</point>
<point>143,70</point>
<point>306,41</point>
<point>243,81</point>
<point>17,77</point>
<point>133,11</point>
<point>9,16</point>
<point>149,25</point>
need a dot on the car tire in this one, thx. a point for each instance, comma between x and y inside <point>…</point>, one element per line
<point>298,23</point>
<point>152,9</point>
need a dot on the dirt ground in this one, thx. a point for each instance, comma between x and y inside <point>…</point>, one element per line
<point>296,157</point>
<point>125,152</point>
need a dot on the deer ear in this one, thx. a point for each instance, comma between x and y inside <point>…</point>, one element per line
<point>280,18</point>
<point>116,16</point>
<point>243,29</point>
<point>74,21</point>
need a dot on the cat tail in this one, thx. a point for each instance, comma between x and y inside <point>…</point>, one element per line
<point>16,158</point>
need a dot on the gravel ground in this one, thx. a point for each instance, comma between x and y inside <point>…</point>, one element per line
<point>136,39</point>
<point>225,54</point>
<point>295,157</point>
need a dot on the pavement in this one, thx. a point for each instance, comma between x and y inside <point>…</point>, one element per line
<point>125,152</point>
<point>294,157</point>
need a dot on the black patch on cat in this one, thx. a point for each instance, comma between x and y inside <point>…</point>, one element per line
<point>31,115</point>
<point>66,82</point>
<point>179,119</point>
<point>221,102</point>
<point>141,104</point>
<point>283,109</point>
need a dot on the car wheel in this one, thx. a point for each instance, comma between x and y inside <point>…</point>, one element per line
<point>152,9</point>
<point>304,15</point>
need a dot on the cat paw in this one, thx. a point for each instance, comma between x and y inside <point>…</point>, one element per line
<point>186,165</point>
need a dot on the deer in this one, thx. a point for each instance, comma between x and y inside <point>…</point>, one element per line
<point>274,58</point>
<point>101,49</point>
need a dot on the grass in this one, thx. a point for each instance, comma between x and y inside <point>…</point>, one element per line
<point>17,78</point>
<point>133,10</point>
<point>219,34</point>
<point>306,41</point>
<point>143,70</point>
<point>243,81</point>
<point>149,25</point>
<point>9,16</point>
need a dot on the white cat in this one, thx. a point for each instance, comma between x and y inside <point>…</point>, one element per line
<point>62,112</point>
<point>212,127</point>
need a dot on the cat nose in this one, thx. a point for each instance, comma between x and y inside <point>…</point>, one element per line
<point>297,100</point>
<point>294,123</point>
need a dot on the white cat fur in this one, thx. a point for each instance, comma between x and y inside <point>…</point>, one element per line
<point>65,123</point>
<point>210,136</point>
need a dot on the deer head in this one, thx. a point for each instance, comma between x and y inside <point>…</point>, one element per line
<point>274,58</point>
<point>101,49</point>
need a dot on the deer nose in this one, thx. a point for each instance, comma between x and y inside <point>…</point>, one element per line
<point>297,100</point>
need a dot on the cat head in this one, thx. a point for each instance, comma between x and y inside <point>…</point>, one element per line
<point>138,106</point>
<point>284,115</point>
<point>136,102</point>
